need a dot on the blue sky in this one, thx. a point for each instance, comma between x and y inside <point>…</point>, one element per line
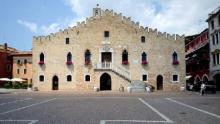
<point>20,20</point>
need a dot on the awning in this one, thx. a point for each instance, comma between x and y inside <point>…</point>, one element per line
<point>5,79</point>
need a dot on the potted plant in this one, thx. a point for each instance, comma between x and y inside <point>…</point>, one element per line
<point>176,62</point>
<point>144,62</point>
<point>87,62</point>
<point>69,63</point>
<point>41,62</point>
<point>125,62</point>
<point>29,87</point>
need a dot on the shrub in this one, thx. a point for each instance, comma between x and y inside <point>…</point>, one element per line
<point>17,85</point>
<point>7,85</point>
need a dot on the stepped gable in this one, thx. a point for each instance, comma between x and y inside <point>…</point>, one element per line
<point>115,15</point>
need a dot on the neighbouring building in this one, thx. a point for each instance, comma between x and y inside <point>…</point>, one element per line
<point>197,57</point>
<point>22,66</point>
<point>6,61</point>
<point>108,51</point>
<point>214,36</point>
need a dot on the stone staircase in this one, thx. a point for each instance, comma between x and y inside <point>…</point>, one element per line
<point>114,68</point>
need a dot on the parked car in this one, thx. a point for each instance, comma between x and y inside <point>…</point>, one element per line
<point>209,86</point>
<point>197,86</point>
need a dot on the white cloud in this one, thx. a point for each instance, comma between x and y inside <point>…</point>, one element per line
<point>173,16</point>
<point>31,26</point>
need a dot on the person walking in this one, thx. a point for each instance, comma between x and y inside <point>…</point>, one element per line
<point>202,88</point>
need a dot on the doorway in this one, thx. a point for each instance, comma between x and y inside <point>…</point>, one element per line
<point>105,82</point>
<point>55,83</point>
<point>106,57</point>
<point>159,82</point>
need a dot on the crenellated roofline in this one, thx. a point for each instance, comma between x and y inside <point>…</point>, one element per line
<point>116,15</point>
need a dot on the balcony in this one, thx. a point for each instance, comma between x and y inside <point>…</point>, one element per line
<point>103,65</point>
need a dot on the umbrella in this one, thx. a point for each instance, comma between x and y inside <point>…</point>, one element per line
<point>5,79</point>
<point>17,80</point>
<point>188,77</point>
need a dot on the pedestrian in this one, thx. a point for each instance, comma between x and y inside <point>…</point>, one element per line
<point>202,88</point>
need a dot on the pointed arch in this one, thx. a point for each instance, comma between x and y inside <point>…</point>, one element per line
<point>69,57</point>
<point>124,56</point>
<point>87,57</point>
<point>41,57</point>
<point>144,56</point>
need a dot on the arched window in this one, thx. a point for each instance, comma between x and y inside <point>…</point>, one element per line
<point>142,39</point>
<point>144,58</point>
<point>18,62</point>
<point>69,78</point>
<point>25,61</point>
<point>87,77</point>
<point>41,78</point>
<point>87,57</point>
<point>41,59</point>
<point>69,59</point>
<point>125,57</point>
<point>175,58</point>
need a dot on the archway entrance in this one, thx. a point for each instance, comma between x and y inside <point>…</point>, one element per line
<point>217,81</point>
<point>159,82</point>
<point>55,83</point>
<point>105,82</point>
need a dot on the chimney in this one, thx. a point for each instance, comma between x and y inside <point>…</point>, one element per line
<point>5,46</point>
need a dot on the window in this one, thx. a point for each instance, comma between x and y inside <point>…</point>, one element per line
<point>67,40</point>
<point>69,57</point>
<point>125,57</point>
<point>144,58</point>
<point>217,58</point>
<point>213,39</point>
<point>8,68</point>
<point>212,24</point>
<point>87,57</point>
<point>18,61</point>
<point>219,20</point>
<point>69,78</point>
<point>25,61</point>
<point>214,61</point>
<point>41,59</point>
<point>96,12</point>
<point>175,58</point>
<point>25,71</point>
<point>87,78</point>
<point>144,77</point>
<point>18,71</point>
<point>175,78</point>
<point>106,34</point>
<point>216,35</point>
<point>142,39</point>
<point>41,78</point>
